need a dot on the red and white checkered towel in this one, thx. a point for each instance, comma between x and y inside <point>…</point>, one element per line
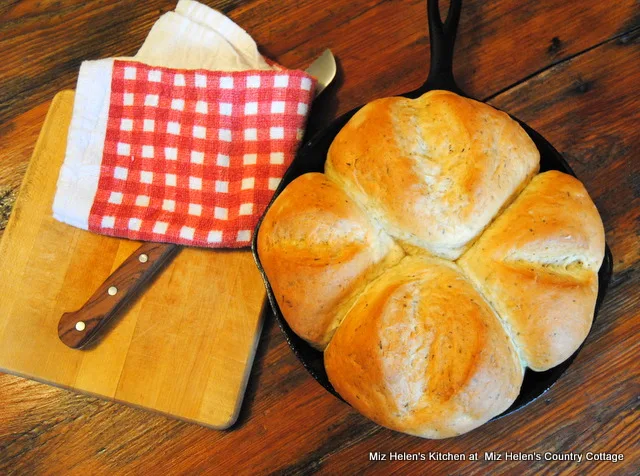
<point>181,155</point>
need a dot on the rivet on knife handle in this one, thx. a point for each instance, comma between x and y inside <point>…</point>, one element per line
<point>77,329</point>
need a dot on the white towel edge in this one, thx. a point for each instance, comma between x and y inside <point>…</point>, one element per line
<point>79,175</point>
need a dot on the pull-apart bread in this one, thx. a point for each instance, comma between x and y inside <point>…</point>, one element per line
<point>538,263</point>
<point>319,250</point>
<point>422,352</point>
<point>362,262</point>
<point>433,171</point>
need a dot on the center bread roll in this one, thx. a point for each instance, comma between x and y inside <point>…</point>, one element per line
<point>433,171</point>
<point>421,352</point>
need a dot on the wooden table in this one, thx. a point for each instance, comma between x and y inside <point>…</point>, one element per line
<point>569,69</point>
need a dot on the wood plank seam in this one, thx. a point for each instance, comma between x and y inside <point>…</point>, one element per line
<point>559,62</point>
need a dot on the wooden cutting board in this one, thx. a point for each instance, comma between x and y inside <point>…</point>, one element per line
<point>184,348</point>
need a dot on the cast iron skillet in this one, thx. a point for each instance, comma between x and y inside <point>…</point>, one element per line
<point>311,158</point>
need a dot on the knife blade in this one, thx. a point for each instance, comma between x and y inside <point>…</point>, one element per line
<point>323,69</point>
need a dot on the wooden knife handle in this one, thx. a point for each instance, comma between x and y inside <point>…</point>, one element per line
<point>77,329</point>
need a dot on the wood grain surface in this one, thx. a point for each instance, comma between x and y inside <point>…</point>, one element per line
<point>569,69</point>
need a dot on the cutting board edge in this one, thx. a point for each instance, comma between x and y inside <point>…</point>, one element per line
<point>11,223</point>
<point>173,416</point>
<point>247,372</point>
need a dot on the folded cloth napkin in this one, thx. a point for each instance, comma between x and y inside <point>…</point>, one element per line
<point>187,141</point>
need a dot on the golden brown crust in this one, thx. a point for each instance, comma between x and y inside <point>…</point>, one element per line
<point>421,352</point>
<point>318,250</point>
<point>537,264</point>
<point>433,171</point>
<point>431,347</point>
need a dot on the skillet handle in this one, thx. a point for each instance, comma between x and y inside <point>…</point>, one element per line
<point>442,40</point>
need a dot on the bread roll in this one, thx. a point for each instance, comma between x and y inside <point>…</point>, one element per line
<point>421,352</point>
<point>433,171</point>
<point>537,264</point>
<point>319,250</point>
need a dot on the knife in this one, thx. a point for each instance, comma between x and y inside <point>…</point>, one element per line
<point>323,69</point>
<point>77,329</point>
